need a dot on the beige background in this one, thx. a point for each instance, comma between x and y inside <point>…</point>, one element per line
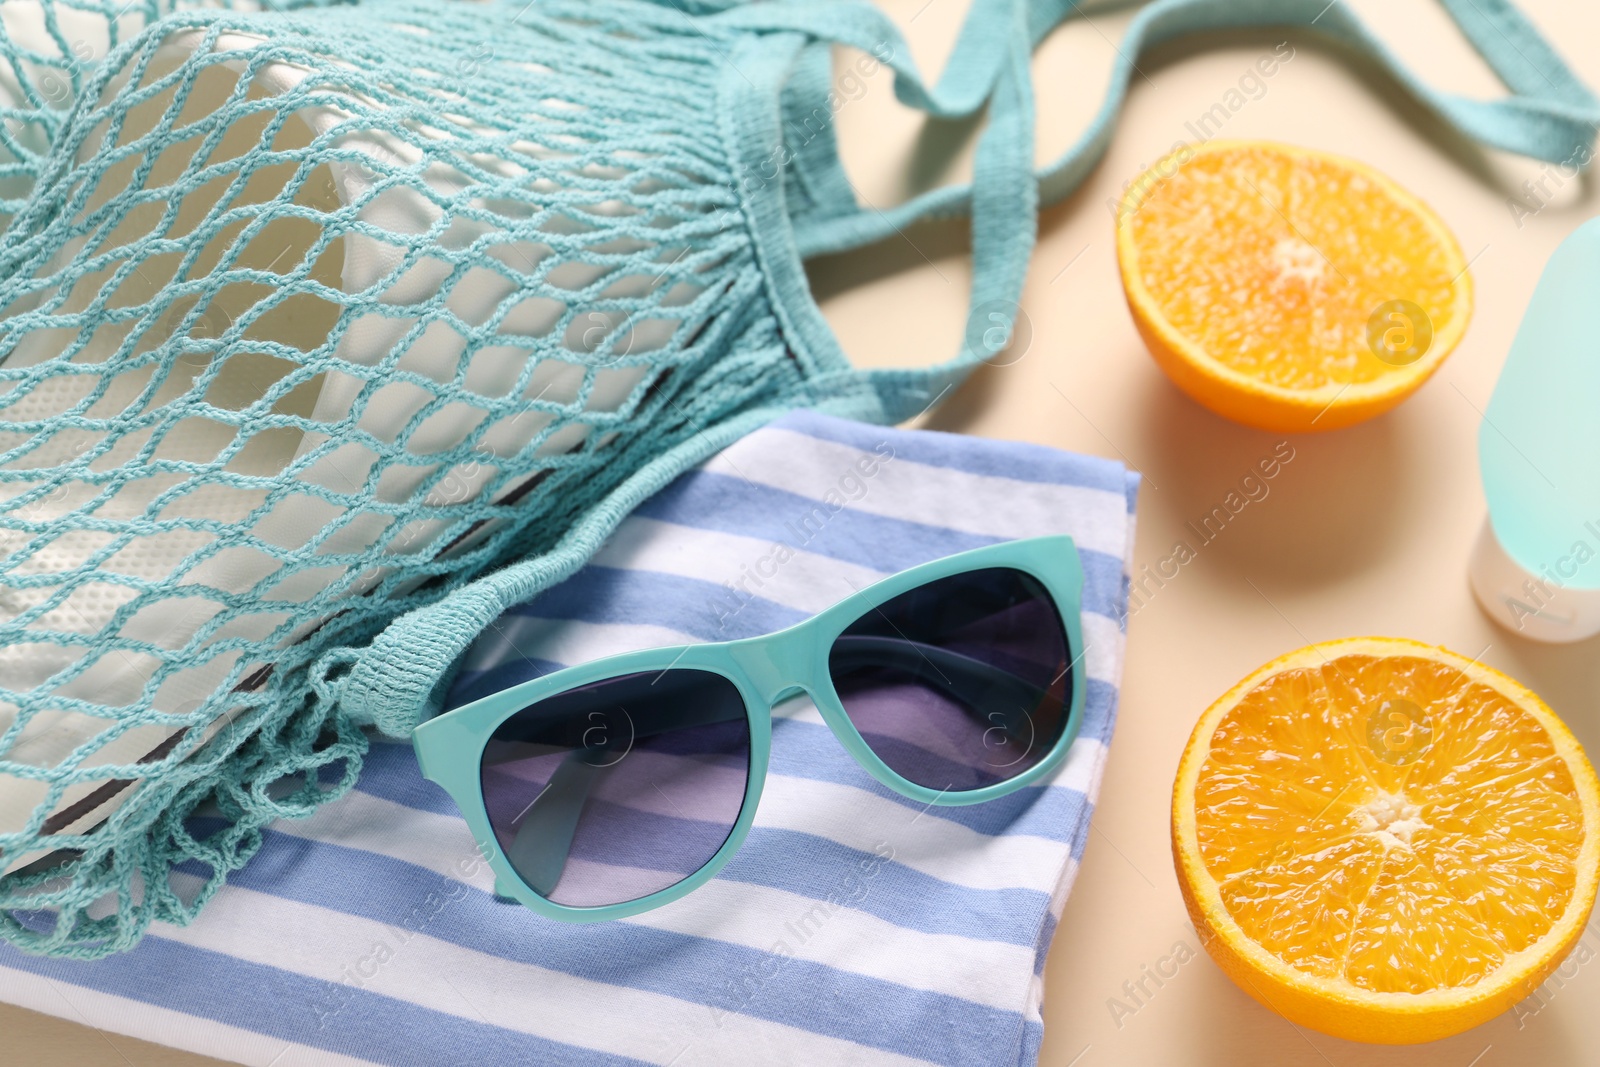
<point>1366,531</point>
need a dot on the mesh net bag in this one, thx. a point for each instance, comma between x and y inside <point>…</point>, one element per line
<point>307,318</point>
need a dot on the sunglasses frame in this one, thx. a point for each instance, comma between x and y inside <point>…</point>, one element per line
<point>766,670</point>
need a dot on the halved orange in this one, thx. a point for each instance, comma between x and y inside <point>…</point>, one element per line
<point>1385,841</point>
<point>1288,289</point>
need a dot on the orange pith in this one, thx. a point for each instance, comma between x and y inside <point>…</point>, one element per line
<point>1385,841</point>
<point>1253,270</point>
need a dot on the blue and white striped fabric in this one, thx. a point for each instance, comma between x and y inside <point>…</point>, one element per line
<point>855,926</point>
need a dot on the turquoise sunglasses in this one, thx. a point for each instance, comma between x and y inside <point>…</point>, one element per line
<point>604,790</point>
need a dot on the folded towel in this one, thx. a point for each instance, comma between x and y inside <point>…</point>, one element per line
<point>854,927</point>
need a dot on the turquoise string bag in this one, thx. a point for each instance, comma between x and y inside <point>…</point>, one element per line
<point>327,332</point>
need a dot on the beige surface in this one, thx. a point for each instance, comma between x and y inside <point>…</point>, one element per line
<point>1365,531</point>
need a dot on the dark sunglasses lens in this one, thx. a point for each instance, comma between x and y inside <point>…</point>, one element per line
<point>961,683</point>
<point>616,790</point>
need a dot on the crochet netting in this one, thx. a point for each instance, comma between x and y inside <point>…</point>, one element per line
<point>307,319</point>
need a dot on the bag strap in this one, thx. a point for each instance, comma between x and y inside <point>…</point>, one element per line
<point>1550,115</point>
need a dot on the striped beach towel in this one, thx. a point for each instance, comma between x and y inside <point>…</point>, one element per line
<point>854,927</point>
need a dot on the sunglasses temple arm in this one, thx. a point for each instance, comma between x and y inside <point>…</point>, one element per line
<point>977,686</point>
<point>543,842</point>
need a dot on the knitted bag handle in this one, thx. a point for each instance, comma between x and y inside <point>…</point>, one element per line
<point>1550,115</point>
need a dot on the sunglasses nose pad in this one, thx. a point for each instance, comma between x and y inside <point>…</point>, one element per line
<point>789,691</point>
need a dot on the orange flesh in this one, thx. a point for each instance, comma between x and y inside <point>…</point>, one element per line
<point>1272,264</point>
<point>1401,860</point>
